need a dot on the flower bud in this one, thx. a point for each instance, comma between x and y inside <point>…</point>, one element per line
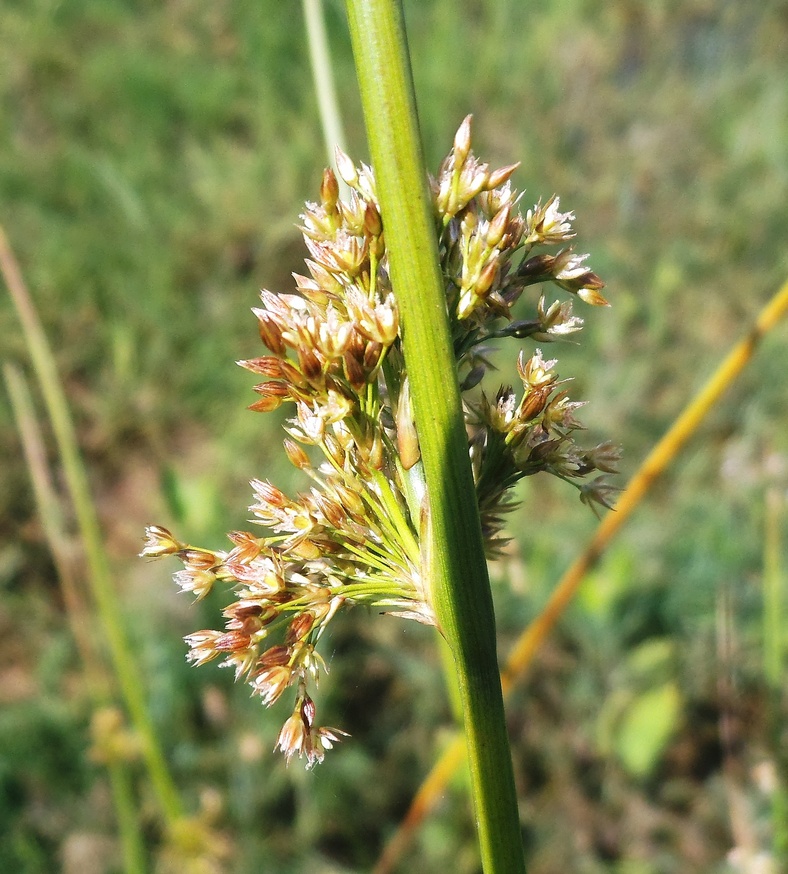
<point>377,457</point>
<point>498,177</point>
<point>269,494</point>
<point>485,281</point>
<point>462,142</point>
<point>198,559</point>
<point>373,224</point>
<point>329,191</point>
<point>407,439</point>
<point>537,268</point>
<point>532,404</point>
<point>345,168</point>
<point>308,710</point>
<point>497,226</point>
<point>351,501</point>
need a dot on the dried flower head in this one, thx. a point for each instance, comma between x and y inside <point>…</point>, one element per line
<point>333,357</point>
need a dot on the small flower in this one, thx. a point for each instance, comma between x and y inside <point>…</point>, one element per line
<point>299,737</point>
<point>294,736</point>
<point>558,413</point>
<point>247,547</point>
<point>323,739</point>
<point>536,373</point>
<point>158,542</point>
<point>571,273</point>
<point>271,682</point>
<point>202,647</point>
<point>545,225</point>
<point>599,491</point>
<point>195,580</point>
<point>605,457</point>
<point>556,321</point>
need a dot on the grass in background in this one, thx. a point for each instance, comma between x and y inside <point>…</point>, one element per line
<point>156,156</point>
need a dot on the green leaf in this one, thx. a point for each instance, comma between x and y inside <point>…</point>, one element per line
<point>646,728</point>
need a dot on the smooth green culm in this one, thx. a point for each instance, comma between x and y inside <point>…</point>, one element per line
<point>99,575</point>
<point>456,566</point>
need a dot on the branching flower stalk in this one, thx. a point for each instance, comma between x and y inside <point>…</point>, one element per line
<point>333,355</point>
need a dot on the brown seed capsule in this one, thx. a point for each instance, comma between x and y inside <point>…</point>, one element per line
<point>372,353</point>
<point>273,389</point>
<point>232,642</point>
<point>267,366</point>
<point>378,247</point>
<point>270,332</point>
<point>296,455</point>
<point>275,655</point>
<point>354,371</point>
<point>269,494</point>
<point>309,364</point>
<point>330,509</point>
<point>198,559</point>
<point>372,221</point>
<point>265,405</point>
<point>308,710</point>
<point>299,627</point>
<point>242,610</point>
<point>538,266</point>
<point>533,403</point>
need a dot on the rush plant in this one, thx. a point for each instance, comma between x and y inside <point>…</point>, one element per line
<point>411,462</point>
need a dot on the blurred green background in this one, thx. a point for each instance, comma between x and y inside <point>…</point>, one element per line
<point>155,156</point>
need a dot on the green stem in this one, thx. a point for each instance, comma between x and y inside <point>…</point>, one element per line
<point>454,556</point>
<point>99,574</point>
<point>323,75</point>
<point>773,646</point>
<point>128,819</point>
<point>50,512</point>
<point>772,591</point>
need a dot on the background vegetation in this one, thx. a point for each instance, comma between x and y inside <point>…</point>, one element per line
<point>155,157</point>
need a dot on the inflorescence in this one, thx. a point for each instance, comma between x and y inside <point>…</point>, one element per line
<point>334,356</point>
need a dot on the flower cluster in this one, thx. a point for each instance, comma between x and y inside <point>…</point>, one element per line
<point>333,354</point>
